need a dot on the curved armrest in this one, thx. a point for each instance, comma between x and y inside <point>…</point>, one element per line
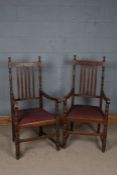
<point>50,97</point>
<point>64,100</point>
<point>68,95</point>
<point>107,99</point>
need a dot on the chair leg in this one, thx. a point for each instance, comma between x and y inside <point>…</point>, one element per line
<point>40,130</point>
<point>104,138</point>
<point>98,127</point>
<point>57,138</point>
<point>71,126</point>
<point>13,131</point>
<point>17,145</point>
<point>64,140</point>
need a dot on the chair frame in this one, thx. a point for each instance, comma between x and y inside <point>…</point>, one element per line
<point>72,95</point>
<point>23,95</point>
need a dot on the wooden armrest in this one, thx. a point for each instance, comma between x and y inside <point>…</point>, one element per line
<point>50,97</point>
<point>65,98</point>
<point>68,95</point>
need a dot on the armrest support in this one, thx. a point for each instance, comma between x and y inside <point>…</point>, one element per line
<point>65,98</point>
<point>56,99</point>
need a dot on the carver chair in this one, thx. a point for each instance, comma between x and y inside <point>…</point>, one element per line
<point>84,103</point>
<point>25,80</point>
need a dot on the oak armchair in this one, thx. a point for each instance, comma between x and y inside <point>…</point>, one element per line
<point>87,86</point>
<point>25,79</point>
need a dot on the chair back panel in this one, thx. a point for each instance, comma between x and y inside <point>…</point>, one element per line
<point>24,80</point>
<point>88,77</point>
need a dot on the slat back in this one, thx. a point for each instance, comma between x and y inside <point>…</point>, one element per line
<point>25,82</point>
<point>90,74</point>
<point>25,77</point>
<point>88,77</point>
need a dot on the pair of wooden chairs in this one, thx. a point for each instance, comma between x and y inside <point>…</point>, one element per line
<point>26,86</point>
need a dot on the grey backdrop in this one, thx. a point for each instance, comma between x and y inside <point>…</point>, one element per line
<point>56,30</point>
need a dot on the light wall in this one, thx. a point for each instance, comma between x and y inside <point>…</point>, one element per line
<point>56,30</point>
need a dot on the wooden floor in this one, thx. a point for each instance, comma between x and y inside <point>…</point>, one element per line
<point>4,120</point>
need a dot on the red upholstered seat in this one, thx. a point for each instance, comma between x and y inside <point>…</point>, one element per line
<point>34,115</point>
<point>86,112</point>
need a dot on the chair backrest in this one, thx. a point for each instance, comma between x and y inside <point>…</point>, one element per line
<point>25,79</point>
<point>88,80</point>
